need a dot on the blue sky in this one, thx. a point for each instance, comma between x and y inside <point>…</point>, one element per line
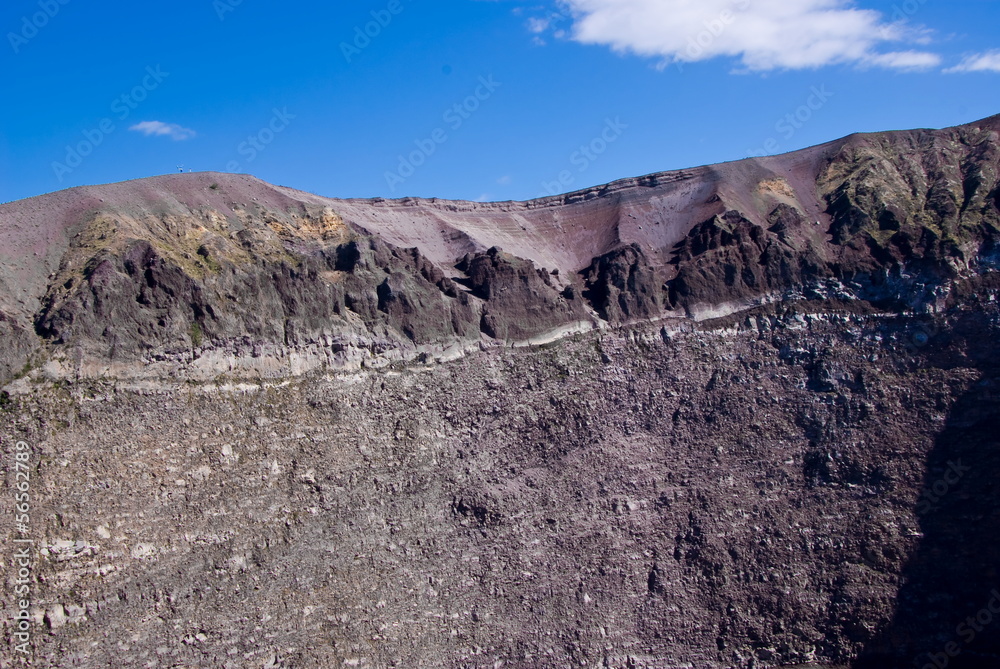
<point>469,99</point>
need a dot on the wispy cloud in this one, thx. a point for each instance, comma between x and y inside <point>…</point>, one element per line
<point>161,129</point>
<point>537,25</point>
<point>762,34</point>
<point>980,62</point>
<point>906,60</point>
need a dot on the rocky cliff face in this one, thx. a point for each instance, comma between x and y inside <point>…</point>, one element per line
<point>180,268</point>
<point>737,416</point>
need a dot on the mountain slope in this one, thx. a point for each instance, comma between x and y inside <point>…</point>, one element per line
<point>160,267</point>
<point>735,416</point>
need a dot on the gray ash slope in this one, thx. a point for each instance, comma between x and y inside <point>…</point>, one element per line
<point>275,429</point>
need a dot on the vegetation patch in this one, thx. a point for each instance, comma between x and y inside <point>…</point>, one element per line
<point>197,336</point>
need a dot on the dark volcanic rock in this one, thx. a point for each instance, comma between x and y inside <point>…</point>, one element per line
<point>622,286</point>
<point>18,346</point>
<point>143,300</point>
<point>785,219</point>
<point>520,299</point>
<point>771,488</point>
<point>729,259</point>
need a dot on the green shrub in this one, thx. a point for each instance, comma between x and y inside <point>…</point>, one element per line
<point>196,335</point>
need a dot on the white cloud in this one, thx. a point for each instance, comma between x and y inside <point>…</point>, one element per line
<point>160,129</point>
<point>762,34</point>
<point>536,25</point>
<point>906,60</point>
<point>981,62</point>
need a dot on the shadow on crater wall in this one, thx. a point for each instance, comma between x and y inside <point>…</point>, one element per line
<point>948,609</point>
